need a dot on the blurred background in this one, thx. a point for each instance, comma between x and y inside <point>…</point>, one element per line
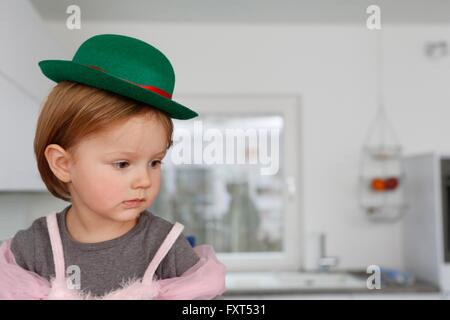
<point>357,205</point>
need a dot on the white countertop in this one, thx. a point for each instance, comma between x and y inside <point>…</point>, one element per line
<point>239,283</point>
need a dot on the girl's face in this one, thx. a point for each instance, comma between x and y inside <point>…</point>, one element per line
<point>120,164</point>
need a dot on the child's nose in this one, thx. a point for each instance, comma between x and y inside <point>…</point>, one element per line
<point>143,179</point>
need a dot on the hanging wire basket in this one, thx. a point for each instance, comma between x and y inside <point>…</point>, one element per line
<point>381,184</point>
<point>382,175</point>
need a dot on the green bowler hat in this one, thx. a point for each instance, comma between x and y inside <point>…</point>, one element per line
<point>125,66</point>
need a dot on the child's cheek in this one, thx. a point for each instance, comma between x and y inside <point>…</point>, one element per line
<point>154,191</point>
<point>109,188</point>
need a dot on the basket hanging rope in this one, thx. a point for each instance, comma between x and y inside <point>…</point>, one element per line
<point>382,178</point>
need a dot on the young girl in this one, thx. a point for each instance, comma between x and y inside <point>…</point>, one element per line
<point>100,139</point>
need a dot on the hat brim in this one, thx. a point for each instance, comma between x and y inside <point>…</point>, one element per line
<point>61,70</point>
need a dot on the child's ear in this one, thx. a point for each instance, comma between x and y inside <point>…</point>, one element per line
<point>59,162</point>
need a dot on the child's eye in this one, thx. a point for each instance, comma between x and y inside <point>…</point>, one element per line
<point>118,164</point>
<point>156,163</point>
<point>124,164</point>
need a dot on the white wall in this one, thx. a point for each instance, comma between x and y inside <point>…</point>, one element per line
<point>19,209</point>
<point>24,43</point>
<point>333,69</point>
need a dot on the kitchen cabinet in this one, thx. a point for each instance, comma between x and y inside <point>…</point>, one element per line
<point>25,42</point>
<point>18,115</point>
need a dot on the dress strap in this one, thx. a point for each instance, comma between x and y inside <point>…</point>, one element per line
<point>56,243</point>
<point>162,251</point>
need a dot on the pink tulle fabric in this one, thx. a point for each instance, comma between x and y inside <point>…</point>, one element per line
<point>204,280</point>
<point>18,283</point>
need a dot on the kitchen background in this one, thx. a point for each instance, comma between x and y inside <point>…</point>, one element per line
<point>315,61</point>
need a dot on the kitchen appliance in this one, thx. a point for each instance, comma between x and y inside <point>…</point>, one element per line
<point>427,222</point>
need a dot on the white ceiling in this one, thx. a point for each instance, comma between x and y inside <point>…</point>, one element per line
<point>250,11</point>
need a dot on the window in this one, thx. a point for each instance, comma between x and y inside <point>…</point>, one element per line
<point>230,179</point>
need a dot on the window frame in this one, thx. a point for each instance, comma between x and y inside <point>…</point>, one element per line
<point>288,106</point>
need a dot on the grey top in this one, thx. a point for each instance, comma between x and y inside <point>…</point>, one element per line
<point>104,265</point>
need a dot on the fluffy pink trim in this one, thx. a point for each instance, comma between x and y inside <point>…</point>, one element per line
<point>204,280</point>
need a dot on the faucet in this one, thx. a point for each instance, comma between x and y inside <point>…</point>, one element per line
<point>324,262</point>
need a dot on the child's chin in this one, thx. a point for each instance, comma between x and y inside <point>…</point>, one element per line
<point>125,215</point>
<point>128,214</point>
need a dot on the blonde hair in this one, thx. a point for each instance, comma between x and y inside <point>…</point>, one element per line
<point>73,111</point>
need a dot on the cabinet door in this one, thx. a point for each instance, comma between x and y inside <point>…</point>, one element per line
<point>18,114</point>
<point>25,42</point>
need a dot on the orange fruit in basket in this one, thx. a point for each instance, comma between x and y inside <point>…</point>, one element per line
<point>378,185</point>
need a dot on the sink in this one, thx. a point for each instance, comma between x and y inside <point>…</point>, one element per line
<point>292,281</point>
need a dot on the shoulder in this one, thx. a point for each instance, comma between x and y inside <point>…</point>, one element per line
<point>161,227</point>
<point>25,242</point>
<point>158,228</point>
<point>158,224</point>
<point>181,255</point>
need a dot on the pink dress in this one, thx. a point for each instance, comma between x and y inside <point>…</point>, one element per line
<point>204,280</point>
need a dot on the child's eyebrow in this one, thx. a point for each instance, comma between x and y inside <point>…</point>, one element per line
<point>132,153</point>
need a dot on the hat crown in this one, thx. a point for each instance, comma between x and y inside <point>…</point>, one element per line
<point>129,59</point>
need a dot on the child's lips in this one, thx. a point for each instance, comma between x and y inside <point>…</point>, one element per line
<point>133,203</point>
